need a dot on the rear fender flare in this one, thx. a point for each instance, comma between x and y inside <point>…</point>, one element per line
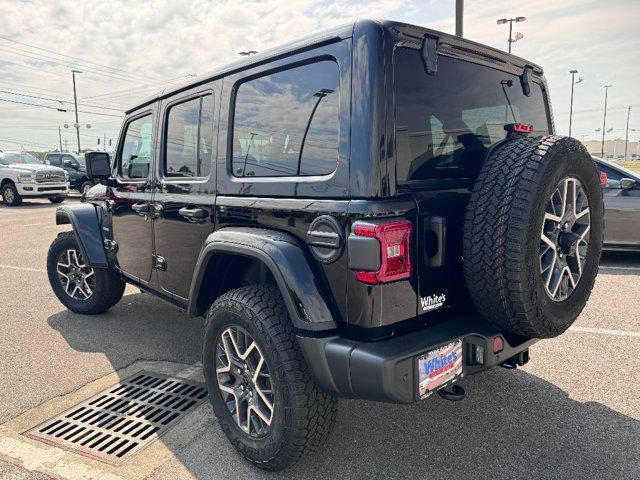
<point>288,263</point>
<point>86,225</point>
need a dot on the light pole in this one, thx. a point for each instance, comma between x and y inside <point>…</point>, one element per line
<point>573,83</point>
<point>60,138</point>
<point>510,21</point>
<point>459,15</point>
<point>604,118</point>
<point>626,139</point>
<point>247,53</point>
<point>75,102</point>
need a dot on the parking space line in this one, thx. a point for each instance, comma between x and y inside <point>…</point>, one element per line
<point>24,269</point>
<point>622,267</point>
<point>605,331</point>
<point>48,224</point>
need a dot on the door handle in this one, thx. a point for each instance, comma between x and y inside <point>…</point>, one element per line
<point>193,214</point>
<point>141,208</point>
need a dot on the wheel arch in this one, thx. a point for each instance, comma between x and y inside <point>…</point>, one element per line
<point>233,257</point>
<point>86,225</point>
<point>6,181</point>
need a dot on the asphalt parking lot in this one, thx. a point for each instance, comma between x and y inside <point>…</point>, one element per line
<point>572,412</point>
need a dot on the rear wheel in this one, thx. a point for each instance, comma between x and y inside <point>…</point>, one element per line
<point>56,199</point>
<point>79,287</point>
<point>10,195</point>
<point>533,235</point>
<point>84,188</point>
<point>259,384</point>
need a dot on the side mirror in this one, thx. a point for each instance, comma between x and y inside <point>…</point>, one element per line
<point>67,163</point>
<point>627,183</point>
<point>98,165</point>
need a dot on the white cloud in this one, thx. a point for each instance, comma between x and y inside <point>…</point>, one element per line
<point>153,40</point>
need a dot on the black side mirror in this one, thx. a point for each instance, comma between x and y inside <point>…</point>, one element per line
<point>627,183</point>
<point>67,163</point>
<point>98,165</point>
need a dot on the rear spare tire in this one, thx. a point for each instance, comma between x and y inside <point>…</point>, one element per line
<point>533,235</point>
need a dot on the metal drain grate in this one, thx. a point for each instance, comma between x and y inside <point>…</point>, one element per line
<point>122,419</point>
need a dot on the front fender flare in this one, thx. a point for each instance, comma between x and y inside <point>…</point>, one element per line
<point>282,254</point>
<point>84,219</point>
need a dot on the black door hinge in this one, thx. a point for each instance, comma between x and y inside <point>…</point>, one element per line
<point>110,245</point>
<point>159,263</point>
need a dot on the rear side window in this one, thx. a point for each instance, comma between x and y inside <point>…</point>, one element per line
<point>136,149</point>
<point>54,160</point>
<point>286,123</point>
<point>445,122</point>
<point>189,138</point>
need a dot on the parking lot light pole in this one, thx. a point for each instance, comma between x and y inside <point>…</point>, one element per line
<point>626,138</point>
<point>510,21</point>
<point>604,119</point>
<point>75,101</point>
<point>573,84</point>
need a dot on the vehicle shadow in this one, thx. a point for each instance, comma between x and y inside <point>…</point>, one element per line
<point>511,425</point>
<point>620,263</point>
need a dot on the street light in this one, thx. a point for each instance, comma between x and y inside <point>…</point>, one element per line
<point>573,83</point>
<point>604,118</point>
<point>247,53</point>
<point>75,102</point>
<point>510,21</point>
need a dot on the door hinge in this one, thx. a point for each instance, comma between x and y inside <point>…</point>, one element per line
<point>110,245</point>
<point>159,263</point>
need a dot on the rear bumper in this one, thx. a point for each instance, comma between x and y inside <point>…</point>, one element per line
<point>386,370</point>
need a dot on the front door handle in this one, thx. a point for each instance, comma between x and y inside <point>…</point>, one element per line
<point>141,208</point>
<point>193,214</point>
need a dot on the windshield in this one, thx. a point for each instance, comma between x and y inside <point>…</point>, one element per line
<point>445,122</point>
<point>11,158</point>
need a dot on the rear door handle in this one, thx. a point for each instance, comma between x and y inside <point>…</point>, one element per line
<point>192,214</point>
<point>141,208</point>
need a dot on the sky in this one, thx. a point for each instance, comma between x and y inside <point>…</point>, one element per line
<point>127,50</point>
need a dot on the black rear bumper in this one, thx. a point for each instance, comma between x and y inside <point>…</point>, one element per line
<point>386,370</point>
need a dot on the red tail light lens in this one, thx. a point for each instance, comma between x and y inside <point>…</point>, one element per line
<point>603,179</point>
<point>395,250</point>
<point>522,127</point>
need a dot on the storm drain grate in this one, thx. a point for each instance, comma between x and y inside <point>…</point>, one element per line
<point>122,419</point>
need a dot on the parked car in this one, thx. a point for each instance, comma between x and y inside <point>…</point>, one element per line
<point>371,212</point>
<point>621,189</point>
<point>75,168</point>
<point>22,175</point>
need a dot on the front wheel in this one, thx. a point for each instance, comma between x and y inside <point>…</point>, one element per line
<point>81,288</point>
<point>86,186</point>
<point>259,384</point>
<point>10,195</point>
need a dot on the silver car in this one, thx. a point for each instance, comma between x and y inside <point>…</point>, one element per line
<point>621,190</point>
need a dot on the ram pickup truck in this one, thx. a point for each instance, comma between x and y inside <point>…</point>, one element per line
<point>23,176</point>
<point>376,212</point>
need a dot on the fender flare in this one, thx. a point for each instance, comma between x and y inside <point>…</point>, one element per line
<point>84,219</point>
<point>282,254</point>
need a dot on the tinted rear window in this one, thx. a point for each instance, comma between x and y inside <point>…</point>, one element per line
<point>445,122</point>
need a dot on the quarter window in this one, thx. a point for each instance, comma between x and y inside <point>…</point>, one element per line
<point>189,138</point>
<point>287,124</point>
<point>136,149</point>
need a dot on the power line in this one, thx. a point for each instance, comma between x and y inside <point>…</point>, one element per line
<point>59,109</point>
<point>58,100</point>
<point>20,142</point>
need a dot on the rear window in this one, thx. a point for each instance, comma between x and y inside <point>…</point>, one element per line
<point>286,123</point>
<point>445,122</point>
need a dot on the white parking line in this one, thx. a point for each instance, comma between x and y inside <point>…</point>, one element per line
<point>621,267</point>
<point>24,269</point>
<point>48,224</point>
<point>604,331</point>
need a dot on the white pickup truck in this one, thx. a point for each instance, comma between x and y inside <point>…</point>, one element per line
<point>22,175</point>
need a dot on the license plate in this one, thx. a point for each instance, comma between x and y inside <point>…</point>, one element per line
<point>439,367</point>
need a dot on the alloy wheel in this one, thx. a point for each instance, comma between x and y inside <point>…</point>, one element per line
<point>8,195</point>
<point>564,239</point>
<point>244,380</point>
<point>77,279</point>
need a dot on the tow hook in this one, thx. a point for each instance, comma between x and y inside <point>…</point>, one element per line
<point>516,361</point>
<point>455,394</point>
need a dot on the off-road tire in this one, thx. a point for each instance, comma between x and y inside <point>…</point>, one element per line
<point>109,285</point>
<point>56,199</point>
<point>501,241</point>
<point>17,198</point>
<point>303,416</point>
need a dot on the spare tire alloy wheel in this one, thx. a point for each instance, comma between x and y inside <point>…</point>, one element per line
<point>564,239</point>
<point>77,279</point>
<point>244,381</point>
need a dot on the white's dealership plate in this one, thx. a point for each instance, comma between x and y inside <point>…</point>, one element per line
<point>439,367</point>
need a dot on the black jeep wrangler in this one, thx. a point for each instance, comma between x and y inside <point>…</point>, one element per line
<point>372,212</point>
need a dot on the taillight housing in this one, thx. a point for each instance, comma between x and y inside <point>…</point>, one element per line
<point>604,181</point>
<point>395,239</point>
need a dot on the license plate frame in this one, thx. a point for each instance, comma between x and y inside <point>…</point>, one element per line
<point>438,368</point>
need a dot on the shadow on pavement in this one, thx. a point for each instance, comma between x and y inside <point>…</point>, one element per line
<point>511,425</point>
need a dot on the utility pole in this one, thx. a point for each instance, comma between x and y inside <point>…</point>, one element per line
<point>604,119</point>
<point>459,17</point>
<point>573,83</point>
<point>75,101</point>
<point>626,139</point>
<point>60,138</point>
<point>104,141</point>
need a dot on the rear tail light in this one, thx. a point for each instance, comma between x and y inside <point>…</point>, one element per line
<point>603,179</point>
<point>395,250</point>
<point>498,344</point>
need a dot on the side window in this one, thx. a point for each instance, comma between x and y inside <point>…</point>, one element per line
<point>609,178</point>
<point>135,159</point>
<point>55,160</point>
<point>287,124</point>
<point>189,138</point>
